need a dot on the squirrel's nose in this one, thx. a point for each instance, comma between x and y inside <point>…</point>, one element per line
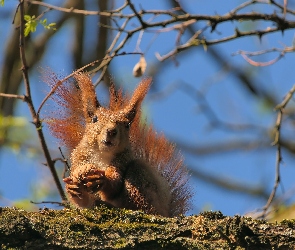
<point>112,132</point>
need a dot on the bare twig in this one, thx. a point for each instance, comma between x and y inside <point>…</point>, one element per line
<point>83,12</point>
<point>242,6</point>
<point>229,184</point>
<point>143,24</point>
<point>60,83</point>
<point>207,110</point>
<point>245,55</point>
<point>180,21</point>
<point>282,7</point>
<point>278,163</point>
<point>29,101</point>
<point>261,52</point>
<point>203,150</point>
<point>62,204</point>
<point>203,42</point>
<point>280,108</point>
<point>262,64</point>
<point>64,160</point>
<point>21,97</point>
<point>285,7</point>
<point>106,61</point>
<point>115,40</point>
<point>287,98</point>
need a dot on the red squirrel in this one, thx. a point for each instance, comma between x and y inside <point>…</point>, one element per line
<point>116,159</point>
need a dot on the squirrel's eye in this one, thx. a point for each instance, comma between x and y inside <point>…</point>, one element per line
<point>94,119</point>
<point>127,125</point>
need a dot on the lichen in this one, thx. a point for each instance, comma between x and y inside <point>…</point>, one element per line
<point>103,228</point>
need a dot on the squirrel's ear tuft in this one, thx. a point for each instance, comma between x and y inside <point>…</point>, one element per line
<point>89,100</point>
<point>137,97</point>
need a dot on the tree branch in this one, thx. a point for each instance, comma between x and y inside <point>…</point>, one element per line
<point>28,99</point>
<point>277,141</point>
<point>103,228</point>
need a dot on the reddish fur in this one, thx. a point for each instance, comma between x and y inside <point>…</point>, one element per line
<point>158,152</point>
<point>66,122</point>
<point>68,125</point>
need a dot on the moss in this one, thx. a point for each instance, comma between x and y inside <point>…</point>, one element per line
<point>104,228</point>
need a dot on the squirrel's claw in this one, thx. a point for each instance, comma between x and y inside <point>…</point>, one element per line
<point>74,193</point>
<point>93,186</point>
<point>93,180</point>
<point>72,187</point>
<point>68,180</point>
<point>94,172</point>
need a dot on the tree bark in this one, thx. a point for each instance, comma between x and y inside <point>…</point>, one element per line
<point>104,228</point>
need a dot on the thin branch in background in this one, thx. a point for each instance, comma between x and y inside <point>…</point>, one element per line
<point>15,13</point>
<point>83,12</point>
<point>246,55</point>
<point>287,98</point>
<point>284,197</point>
<point>65,161</point>
<point>229,184</point>
<point>242,6</point>
<point>205,108</point>
<point>280,110</point>
<point>28,99</point>
<point>120,8</point>
<point>278,163</point>
<point>261,52</point>
<point>210,149</point>
<point>205,43</point>
<point>104,70</point>
<point>183,21</point>
<point>137,46</point>
<point>285,7</point>
<point>276,206</point>
<point>60,82</point>
<point>12,80</point>
<point>282,7</point>
<point>108,60</point>
<point>281,23</point>
<point>42,14</point>
<point>262,64</point>
<point>115,40</point>
<point>111,27</point>
<point>103,65</point>
<point>137,14</point>
<point>21,97</point>
<point>62,204</point>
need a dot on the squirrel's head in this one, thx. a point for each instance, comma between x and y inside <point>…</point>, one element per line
<point>108,129</point>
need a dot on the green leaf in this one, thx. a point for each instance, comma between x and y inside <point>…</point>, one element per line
<point>29,18</point>
<point>27,30</point>
<point>47,26</point>
<point>32,22</point>
<point>1,2</point>
<point>30,25</point>
<point>43,22</point>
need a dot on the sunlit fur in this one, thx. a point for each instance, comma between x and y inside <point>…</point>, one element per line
<point>141,169</point>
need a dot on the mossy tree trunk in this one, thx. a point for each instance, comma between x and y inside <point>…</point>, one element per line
<point>104,228</point>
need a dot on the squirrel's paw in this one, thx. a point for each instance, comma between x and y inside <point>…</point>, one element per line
<point>93,180</point>
<point>73,188</point>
